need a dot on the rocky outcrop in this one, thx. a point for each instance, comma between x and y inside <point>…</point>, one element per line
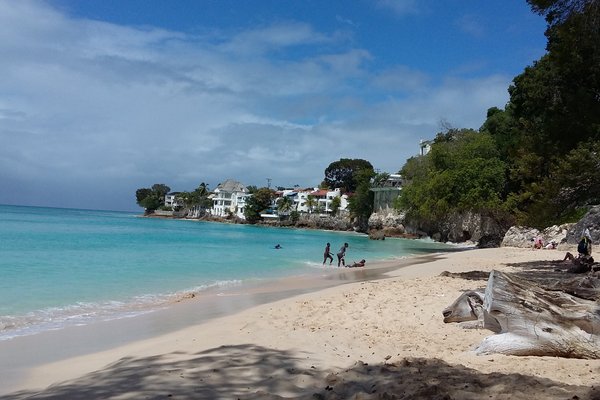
<point>376,235</point>
<point>387,220</point>
<point>458,228</point>
<point>316,221</point>
<point>590,221</point>
<point>389,223</point>
<point>484,230</point>
<point>522,236</point>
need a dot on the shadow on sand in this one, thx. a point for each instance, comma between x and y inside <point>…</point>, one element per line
<point>253,372</point>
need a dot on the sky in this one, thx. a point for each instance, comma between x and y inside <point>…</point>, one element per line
<point>101,97</point>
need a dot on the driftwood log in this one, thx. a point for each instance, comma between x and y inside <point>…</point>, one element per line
<point>534,318</point>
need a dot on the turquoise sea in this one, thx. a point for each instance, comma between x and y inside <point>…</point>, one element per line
<point>62,267</point>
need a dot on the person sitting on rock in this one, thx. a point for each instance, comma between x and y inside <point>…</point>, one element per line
<point>584,260</point>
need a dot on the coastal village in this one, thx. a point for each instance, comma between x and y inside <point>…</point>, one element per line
<point>229,199</point>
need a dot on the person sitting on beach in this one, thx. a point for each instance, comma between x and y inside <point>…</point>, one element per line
<point>551,246</point>
<point>361,263</point>
<point>341,255</point>
<point>538,242</point>
<point>327,254</point>
<point>584,260</point>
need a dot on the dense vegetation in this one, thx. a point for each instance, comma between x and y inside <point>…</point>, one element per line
<point>537,161</point>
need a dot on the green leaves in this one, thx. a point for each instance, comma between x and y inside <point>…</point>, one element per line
<point>257,203</point>
<point>460,174</point>
<point>342,174</point>
<point>153,198</point>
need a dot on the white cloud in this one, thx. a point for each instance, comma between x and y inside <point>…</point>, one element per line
<point>91,111</point>
<point>472,25</point>
<point>399,7</point>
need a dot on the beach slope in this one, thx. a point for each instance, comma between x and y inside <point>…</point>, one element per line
<point>372,339</point>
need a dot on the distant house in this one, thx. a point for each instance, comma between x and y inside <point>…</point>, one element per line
<point>171,199</point>
<point>322,199</point>
<point>386,193</point>
<point>425,146</point>
<point>229,198</point>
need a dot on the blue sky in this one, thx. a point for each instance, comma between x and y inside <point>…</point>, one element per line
<point>101,97</point>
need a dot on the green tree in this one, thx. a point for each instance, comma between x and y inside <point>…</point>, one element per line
<point>559,11</point>
<point>160,189</point>
<point>554,107</point>
<point>461,174</point>
<point>142,193</point>
<point>284,205</point>
<point>257,203</point>
<point>200,196</point>
<point>572,185</point>
<point>311,203</point>
<point>335,205</point>
<point>342,174</point>
<point>251,189</point>
<point>152,199</point>
<point>360,203</point>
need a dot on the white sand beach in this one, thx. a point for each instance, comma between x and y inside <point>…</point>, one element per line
<point>369,339</point>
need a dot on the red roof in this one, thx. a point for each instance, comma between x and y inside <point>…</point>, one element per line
<point>319,193</point>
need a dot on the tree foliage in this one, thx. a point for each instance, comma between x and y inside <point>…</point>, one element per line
<point>559,11</point>
<point>549,126</point>
<point>342,173</point>
<point>462,172</point>
<point>152,198</point>
<point>360,203</point>
<point>257,203</point>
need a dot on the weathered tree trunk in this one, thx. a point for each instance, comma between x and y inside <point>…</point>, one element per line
<point>536,321</point>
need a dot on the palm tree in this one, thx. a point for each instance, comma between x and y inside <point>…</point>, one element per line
<point>311,203</point>
<point>335,205</point>
<point>284,205</point>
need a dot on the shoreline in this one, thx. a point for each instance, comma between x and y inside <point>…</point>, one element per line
<point>177,314</point>
<point>291,346</point>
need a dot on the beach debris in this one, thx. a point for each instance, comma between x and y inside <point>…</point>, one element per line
<point>533,318</point>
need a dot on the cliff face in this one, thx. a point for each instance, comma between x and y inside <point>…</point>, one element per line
<point>458,228</point>
<point>591,222</point>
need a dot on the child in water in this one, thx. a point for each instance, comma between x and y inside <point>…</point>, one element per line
<point>327,254</point>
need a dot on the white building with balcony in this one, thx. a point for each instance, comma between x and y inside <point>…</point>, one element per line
<point>322,199</point>
<point>171,199</point>
<point>229,198</point>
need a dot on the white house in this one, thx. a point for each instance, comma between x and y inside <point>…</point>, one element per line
<point>323,200</point>
<point>229,198</point>
<point>171,199</point>
<point>425,146</point>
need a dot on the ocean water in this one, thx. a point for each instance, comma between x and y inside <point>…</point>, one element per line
<point>62,267</point>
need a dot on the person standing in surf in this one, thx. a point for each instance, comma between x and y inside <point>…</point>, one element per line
<point>327,254</point>
<point>341,255</point>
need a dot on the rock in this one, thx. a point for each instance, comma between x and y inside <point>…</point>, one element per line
<point>376,235</point>
<point>387,220</point>
<point>590,221</point>
<point>469,226</point>
<point>520,236</point>
<point>489,241</point>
